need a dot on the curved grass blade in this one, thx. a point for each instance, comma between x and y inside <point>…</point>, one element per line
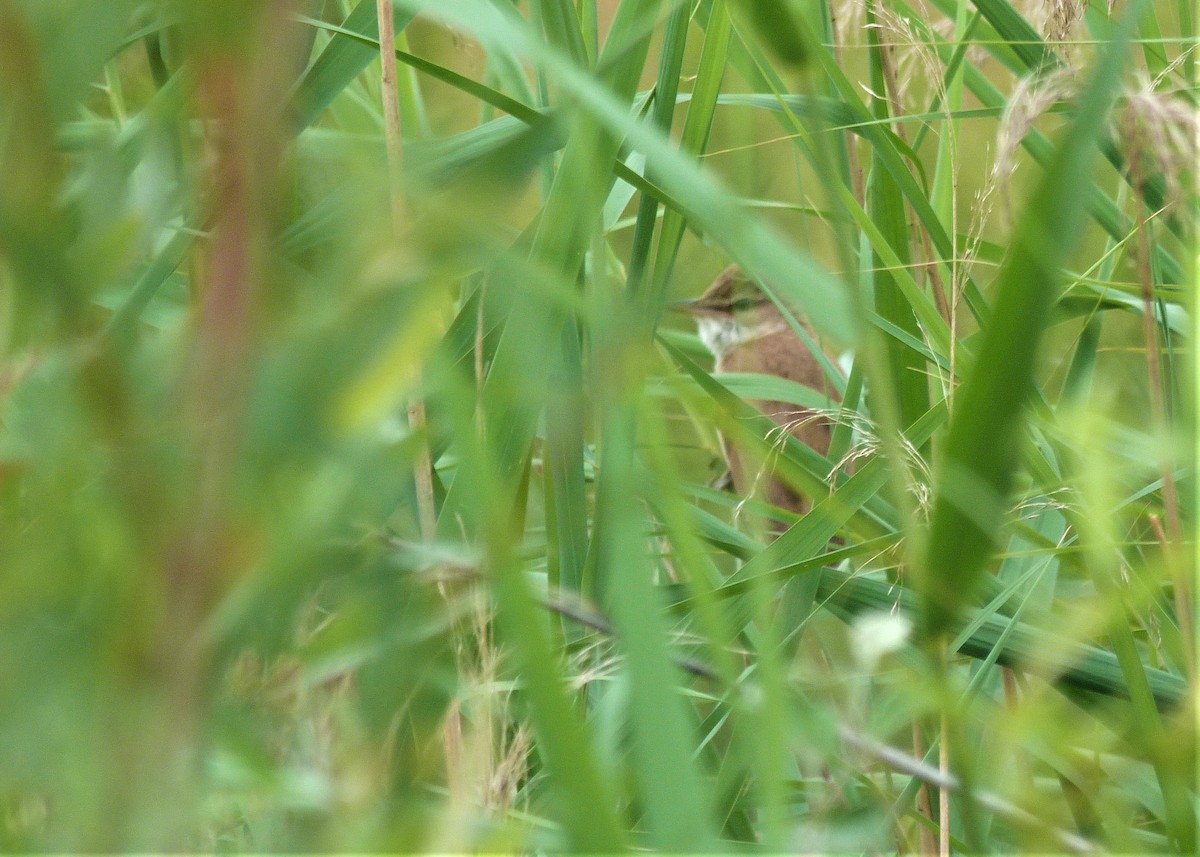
<point>980,455</point>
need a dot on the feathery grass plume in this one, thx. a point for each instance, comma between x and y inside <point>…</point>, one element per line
<point>1054,19</point>
<point>1160,132</point>
<point>918,67</point>
<point>1034,95</point>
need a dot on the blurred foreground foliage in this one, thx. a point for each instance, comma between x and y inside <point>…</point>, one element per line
<point>222,623</point>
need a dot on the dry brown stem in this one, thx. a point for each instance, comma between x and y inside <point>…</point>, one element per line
<point>390,94</point>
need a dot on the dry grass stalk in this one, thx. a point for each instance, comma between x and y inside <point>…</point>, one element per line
<point>1155,130</point>
<point>390,95</point>
<point>486,748</point>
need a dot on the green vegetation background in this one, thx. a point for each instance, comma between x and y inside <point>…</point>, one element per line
<point>358,496</point>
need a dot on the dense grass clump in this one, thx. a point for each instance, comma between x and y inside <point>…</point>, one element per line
<point>360,492</point>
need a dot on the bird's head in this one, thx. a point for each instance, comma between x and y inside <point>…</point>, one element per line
<point>733,310</point>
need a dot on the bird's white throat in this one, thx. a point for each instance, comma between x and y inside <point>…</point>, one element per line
<point>722,335</point>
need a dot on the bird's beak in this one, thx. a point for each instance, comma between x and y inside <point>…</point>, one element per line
<point>691,306</point>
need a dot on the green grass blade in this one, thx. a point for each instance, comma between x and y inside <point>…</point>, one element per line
<point>678,817</point>
<point>562,29</point>
<point>666,89</point>
<point>980,455</point>
<point>563,452</point>
<point>164,264</point>
<point>696,128</point>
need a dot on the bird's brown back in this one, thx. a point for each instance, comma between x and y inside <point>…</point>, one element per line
<point>778,351</point>
<point>782,354</point>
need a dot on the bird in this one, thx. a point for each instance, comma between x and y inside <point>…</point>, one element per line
<point>747,332</point>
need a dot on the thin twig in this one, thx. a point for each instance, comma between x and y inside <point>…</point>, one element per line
<point>947,782</point>
<point>588,617</point>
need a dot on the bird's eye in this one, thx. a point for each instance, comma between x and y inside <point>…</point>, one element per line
<point>743,304</point>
